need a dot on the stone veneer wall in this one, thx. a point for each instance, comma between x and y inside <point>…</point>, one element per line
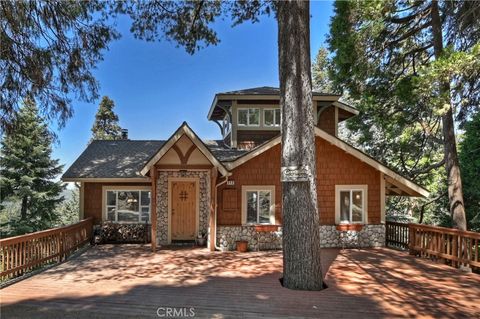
<point>162,201</point>
<point>227,235</point>
<point>369,236</point>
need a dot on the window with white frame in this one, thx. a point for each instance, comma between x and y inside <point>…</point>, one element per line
<point>128,206</point>
<point>248,117</point>
<point>271,117</point>
<point>351,203</point>
<point>258,204</point>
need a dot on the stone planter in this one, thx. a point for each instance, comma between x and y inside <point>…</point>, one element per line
<point>242,246</point>
<point>266,228</point>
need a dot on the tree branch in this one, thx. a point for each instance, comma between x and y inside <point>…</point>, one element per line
<point>425,170</point>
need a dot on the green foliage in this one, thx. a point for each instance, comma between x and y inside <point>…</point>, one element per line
<point>383,56</point>
<point>189,24</point>
<point>321,80</point>
<point>28,192</point>
<point>68,211</point>
<point>48,49</point>
<point>470,164</point>
<point>106,125</point>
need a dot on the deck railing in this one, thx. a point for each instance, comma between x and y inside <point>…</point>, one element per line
<point>396,235</point>
<point>25,253</point>
<point>456,247</point>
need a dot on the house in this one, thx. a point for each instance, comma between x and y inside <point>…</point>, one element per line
<point>185,186</point>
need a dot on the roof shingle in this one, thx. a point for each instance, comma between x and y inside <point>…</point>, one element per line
<point>126,158</point>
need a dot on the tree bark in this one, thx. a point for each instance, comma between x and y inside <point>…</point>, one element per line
<point>452,166</point>
<point>301,231</point>
<point>23,209</point>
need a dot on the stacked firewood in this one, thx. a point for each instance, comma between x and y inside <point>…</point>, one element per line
<point>124,233</point>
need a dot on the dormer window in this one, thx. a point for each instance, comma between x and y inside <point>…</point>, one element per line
<point>271,117</point>
<point>248,117</point>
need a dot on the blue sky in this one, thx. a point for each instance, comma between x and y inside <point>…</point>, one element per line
<point>157,86</point>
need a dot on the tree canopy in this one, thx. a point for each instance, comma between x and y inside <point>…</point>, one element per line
<point>390,57</point>
<point>106,125</point>
<point>28,173</point>
<point>470,164</point>
<point>48,51</point>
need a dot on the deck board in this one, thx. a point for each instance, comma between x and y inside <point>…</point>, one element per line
<point>129,281</point>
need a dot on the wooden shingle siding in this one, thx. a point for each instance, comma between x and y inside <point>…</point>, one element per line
<point>334,167</point>
<point>93,198</point>
<point>326,121</point>
<point>250,139</point>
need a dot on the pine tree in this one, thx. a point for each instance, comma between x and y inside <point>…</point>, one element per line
<point>106,125</point>
<point>415,66</point>
<point>470,165</point>
<point>69,209</point>
<point>27,172</point>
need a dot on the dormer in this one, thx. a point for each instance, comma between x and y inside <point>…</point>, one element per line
<point>250,117</point>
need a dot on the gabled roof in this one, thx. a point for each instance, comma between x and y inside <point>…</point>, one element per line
<point>393,177</point>
<point>112,159</point>
<point>124,159</point>
<point>184,129</point>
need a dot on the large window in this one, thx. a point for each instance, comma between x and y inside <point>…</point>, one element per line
<point>271,117</point>
<point>258,205</point>
<point>128,206</point>
<point>248,117</point>
<point>351,204</point>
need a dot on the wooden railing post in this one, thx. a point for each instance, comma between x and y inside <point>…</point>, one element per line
<point>411,239</point>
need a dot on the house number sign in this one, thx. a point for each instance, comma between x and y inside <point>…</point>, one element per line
<point>295,173</point>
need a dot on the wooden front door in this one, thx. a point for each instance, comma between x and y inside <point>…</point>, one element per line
<point>184,210</point>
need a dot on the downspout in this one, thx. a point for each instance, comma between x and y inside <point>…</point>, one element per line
<point>216,201</point>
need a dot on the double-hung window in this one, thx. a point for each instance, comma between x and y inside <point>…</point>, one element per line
<point>258,204</point>
<point>248,117</point>
<point>351,204</point>
<point>128,206</point>
<point>271,117</point>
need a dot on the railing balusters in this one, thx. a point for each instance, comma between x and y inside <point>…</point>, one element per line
<point>460,248</point>
<point>25,253</point>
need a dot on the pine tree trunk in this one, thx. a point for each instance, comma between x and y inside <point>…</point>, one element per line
<point>23,208</point>
<point>301,231</point>
<point>452,166</point>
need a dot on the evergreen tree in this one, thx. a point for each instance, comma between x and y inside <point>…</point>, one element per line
<point>69,209</point>
<point>412,65</point>
<point>470,165</point>
<point>48,51</point>
<point>106,125</point>
<point>321,66</point>
<point>27,172</point>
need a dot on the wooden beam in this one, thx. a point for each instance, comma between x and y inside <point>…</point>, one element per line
<point>153,205</point>
<point>177,166</point>
<point>382,198</point>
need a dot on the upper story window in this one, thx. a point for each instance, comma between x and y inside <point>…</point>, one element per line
<point>248,117</point>
<point>271,117</point>
<point>258,204</point>
<point>129,206</point>
<point>351,204</point>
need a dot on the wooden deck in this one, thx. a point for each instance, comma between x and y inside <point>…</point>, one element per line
<point>130,281</point>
